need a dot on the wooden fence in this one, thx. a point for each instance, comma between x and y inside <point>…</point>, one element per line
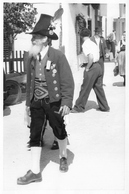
<point>15,63</point>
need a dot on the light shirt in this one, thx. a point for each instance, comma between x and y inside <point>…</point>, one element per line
<point>114,36</point>
<point>89,47</point>
<point>97,39</point>
<point>41,64</point>
<point>44,51</point>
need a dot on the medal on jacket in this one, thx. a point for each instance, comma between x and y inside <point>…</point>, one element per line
<point>48,65</point>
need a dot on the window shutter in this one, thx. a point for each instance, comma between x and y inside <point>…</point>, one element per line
<point>77,38</point>
<point>79,25</point>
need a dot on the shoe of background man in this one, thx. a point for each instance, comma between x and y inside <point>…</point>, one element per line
<point>99,109</point>
<point>55,145</point>
<point>30,177</point>
<point>75,111</point>
<point>63,164</point>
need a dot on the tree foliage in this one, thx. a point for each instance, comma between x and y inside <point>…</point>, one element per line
<point>18,18</point>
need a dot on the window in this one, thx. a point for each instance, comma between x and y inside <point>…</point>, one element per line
<point>79,25</point>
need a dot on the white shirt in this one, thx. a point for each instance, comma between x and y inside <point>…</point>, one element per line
<point>89,47</point>
<point>97,40</point>
<point>44,51</point>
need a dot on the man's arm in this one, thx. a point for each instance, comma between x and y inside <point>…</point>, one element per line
<point>66,82</point>
<point>90,62</point>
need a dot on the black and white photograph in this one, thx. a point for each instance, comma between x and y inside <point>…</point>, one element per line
<point>65,63</point>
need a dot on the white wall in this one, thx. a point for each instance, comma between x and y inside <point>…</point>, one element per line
<point>112,12</point>
<point>68,29</point>
<point>69,34</point>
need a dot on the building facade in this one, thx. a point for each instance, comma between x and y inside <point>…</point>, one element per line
<point>113,18</point>
<point>67,30</point>
<point>109,17</point>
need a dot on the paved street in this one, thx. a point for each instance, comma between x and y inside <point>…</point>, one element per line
<point>96,153</point>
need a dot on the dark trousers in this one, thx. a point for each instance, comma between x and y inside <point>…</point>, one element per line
<point>113,48</point>
<point>92,79</point>
<point>101,62</point>
<point>40,110</point>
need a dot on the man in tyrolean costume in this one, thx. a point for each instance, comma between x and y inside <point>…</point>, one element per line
<point>49,94</point>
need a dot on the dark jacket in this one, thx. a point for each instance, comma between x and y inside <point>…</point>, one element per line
<point>102,46</point>
<point>60,86</point>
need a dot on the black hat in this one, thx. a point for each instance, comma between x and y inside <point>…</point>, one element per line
<point>98,29</point>
<point>85,32</point>
<point>44,27</point>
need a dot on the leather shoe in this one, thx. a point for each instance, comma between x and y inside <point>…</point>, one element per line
<point>106,110</point>
<point>63,164</point>
<point>55,145</point>
<point>29,178</point>
<point>76,111</point>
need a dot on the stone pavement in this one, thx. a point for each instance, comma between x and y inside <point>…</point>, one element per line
<point>96,153</point>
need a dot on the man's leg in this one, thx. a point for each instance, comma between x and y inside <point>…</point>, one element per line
<point>38,121</point>
<point>87,85</point>
<point>101,62</point>
<point>35,159</point>
<point>57,124</point>
<point>62,147</point>
<point>63,155</point>
<point>100,95</point>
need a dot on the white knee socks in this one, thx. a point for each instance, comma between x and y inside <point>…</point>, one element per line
<point>62,147</point>
<point>35,159</point>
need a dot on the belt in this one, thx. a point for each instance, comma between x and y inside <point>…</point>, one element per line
<point>94,62</point>
<point>46,99</point>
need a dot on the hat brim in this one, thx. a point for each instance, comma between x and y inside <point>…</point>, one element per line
<point>98,30</point>
<point>45,33</point>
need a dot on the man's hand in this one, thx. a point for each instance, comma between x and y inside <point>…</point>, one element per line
<point>27,118</point>
<point>28,110</point>
<point>64,110</point>
<point>86,69</point>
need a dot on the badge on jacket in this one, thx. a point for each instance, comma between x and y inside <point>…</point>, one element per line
<point>48,66</point>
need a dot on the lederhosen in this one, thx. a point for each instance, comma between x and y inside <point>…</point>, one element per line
<point>41,110</point>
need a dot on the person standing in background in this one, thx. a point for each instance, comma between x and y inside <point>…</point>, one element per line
<point>121,56</point>
<point>112,40</point>
<point>101,43</point>
<point>113,43</point>
<point>92,76</point>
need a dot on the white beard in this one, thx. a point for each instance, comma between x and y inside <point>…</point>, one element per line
<point>34,50</point>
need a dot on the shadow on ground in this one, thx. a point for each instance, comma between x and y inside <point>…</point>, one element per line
<point>91,105</point>
<point>49,155</point>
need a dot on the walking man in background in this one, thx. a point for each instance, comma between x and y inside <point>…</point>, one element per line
<point>49,94</point>
<point>92,76</point>
<point>101,43</point>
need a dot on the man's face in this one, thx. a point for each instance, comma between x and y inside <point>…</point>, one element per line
<point>98,34</point>
<point>38,39</point>
<point>38,43</point>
